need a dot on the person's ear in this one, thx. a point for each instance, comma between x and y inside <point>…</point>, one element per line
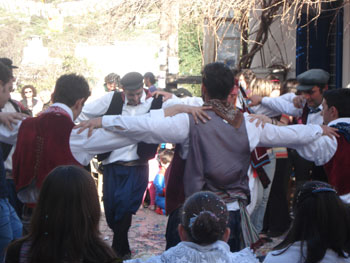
<point>79,103</point>
<point>325,88</point>
<point>204,91</point>
<point>226,235</point>
<point>182,232</point>
<point>334,112</point>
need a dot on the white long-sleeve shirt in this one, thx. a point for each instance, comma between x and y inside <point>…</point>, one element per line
<point>100,106</point>
<point>82,147</point>
<point>284,105</point>
<point>176,130</point>
<point>8,162</point>
<point>306,139</point>
<point>322,150</point>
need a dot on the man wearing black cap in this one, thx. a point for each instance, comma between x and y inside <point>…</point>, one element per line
<point>8,62</point>
<point>125,170</point>
<point>307,107</point>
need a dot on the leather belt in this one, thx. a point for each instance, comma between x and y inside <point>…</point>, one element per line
<point>131,163</point>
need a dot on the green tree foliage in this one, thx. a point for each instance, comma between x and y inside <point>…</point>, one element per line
<point>190,56</point>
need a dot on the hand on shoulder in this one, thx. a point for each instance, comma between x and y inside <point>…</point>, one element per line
<point>10,118</point>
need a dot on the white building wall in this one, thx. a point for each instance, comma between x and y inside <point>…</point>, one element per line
<point>279,48</point>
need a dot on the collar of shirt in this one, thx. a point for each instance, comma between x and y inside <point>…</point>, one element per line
<point>334,122</point>
<point>65,108</point>
<point>142,100</point>
<point>316,110</point>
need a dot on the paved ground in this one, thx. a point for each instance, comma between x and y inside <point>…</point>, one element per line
<point>146,235</point>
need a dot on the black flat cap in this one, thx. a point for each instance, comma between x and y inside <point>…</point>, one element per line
<point>7,62</point>
<point>132,81</point>
<point>313,77</point>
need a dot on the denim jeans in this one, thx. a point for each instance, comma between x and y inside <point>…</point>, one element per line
<point>10,226</point>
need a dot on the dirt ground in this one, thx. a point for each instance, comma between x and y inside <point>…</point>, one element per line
<point>147,234</point>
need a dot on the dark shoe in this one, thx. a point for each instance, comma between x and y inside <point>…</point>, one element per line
<point>124,257</point>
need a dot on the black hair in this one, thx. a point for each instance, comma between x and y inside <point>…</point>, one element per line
<point>322,221</point>
<point>150,76</point>
<point>218,80</point>
<point>5,73</point>
<point>70,88</point>
<point>182,93</point>
<point>65,223</point>
<point>340,99</point>
<point>204,217</point>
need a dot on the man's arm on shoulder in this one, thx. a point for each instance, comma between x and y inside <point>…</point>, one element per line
<point>309,140</point>
<point>170,99</point>
<point>261,109</point>
<point>283,104</point>
<point>319,151</point>
<point>152,127</point>
<point>84,147</point>
<point>281,136</point>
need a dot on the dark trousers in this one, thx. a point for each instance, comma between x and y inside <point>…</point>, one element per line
<point>302,168</point>
<point>234,223</point>
<point>171,234</point>
<point>123,189</point>
<point>277,219</point>
<point>120,242</point>
<point>305,170</point>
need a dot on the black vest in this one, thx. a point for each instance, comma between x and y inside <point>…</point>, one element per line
<point>145,151</point>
